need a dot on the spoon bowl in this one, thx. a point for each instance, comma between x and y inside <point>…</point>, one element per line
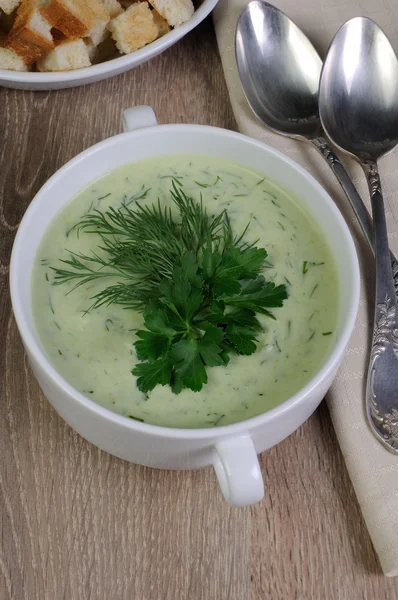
<point>359,91</point>
<point>279,69</point>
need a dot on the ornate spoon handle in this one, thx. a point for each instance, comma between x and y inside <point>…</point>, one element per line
<point>354,198</point>
<point>382,382</point>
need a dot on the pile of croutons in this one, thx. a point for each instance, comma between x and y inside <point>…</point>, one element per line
<point>62,35</point>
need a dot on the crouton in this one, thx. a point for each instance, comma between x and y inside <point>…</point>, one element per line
<point>8,59</point>
<point>99,32</point>
<point>66,56</point>
<point>30,36</point>
<point>73,17</point>
<point>98,8</point>
<point>8,6</point>
<point>113,7</point>
<point>175,12</point>
<point>162,24</point>
<point>134,28</point>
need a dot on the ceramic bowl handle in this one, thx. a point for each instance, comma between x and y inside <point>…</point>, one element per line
<point>238,471</point>
<point>138,117</point>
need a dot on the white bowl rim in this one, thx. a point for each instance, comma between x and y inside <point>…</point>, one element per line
<point>115,65</point>
<point>157,430</point>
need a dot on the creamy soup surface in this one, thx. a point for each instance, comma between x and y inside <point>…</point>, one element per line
<point>94,351</point>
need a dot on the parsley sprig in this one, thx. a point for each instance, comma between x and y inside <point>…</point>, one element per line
<point>199,286</point>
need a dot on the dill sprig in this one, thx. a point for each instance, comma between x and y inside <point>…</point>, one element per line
<point>141,246</point>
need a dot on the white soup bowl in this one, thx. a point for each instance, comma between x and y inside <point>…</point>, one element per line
<point>231,449</point>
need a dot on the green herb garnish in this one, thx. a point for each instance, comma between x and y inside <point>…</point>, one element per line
<point>136,418</point>
<point>203,185</point>
<point>199,286</point>
<point>307,264</point>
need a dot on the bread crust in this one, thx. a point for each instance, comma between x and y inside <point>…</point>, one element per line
<point>60,17</point>
<point>29,44</point>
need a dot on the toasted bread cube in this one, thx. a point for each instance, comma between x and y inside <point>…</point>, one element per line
<point>99,32</point>
<point>11,61</point>
<point>30,36</point>
<point>66,56</point>
<point>162,24</point>
<point>113,7</point>
<point>98,11</point>
<point>73,17</point>
<point>98,8</point>
<point>175,12</point>
<point>134,28</point>
<point>8,59</point>
<point>8,6</point>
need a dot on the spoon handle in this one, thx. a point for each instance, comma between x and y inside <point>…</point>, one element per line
<point>350,190</point>
<point>360,210</point>
<point>382,381</point>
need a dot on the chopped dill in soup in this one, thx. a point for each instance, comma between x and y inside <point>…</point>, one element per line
<point>186,291</point>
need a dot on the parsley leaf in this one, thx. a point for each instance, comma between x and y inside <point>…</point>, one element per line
<point>157,320</point>
<point>242,338</point>
<point>156,341</point>
<point>239,316</point>
<point>188,364</point>
<point>210,349</point>
<point>183,293</point>
<point>258,295</point>
<point>151,345</point>
<point>237,264</point>
<point>150,374</point>
<point>210,262</point>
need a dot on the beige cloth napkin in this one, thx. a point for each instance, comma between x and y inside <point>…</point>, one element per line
<point>373,470</point>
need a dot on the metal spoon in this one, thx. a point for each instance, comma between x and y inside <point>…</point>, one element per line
<point>280,69</point>
<point>358,103</point>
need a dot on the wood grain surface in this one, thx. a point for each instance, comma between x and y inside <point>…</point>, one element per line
<point>78,524</point>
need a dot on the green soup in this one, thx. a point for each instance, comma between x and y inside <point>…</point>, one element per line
<point>94,351</point>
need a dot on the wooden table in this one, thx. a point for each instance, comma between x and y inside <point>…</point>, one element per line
<point>78,524</point>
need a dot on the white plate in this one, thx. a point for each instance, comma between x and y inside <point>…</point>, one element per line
<point>67,79</point>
